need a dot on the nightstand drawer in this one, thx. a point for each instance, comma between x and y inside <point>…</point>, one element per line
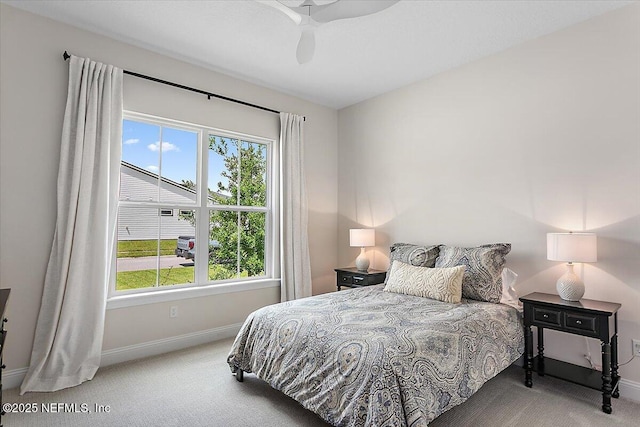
<point>354,278</point>
<point>359,280</point>
<point>345,279</point>
<point>546,316</point>
<point>582,323</point>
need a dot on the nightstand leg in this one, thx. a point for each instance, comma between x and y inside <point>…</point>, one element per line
<point>606,377</point>
<point>541,351</point>
<point>615,378</point>
<point>528,356</point>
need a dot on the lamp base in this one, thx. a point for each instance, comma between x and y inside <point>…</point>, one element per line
<point>570,287</point>
<point>362,262</point>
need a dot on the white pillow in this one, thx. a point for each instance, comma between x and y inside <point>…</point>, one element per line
<point>442,284</point>
<point>509,294</point>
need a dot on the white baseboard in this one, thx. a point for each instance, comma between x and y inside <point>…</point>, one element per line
<point>14,377</point>
<point>629,390</point>
<point>165,345</point>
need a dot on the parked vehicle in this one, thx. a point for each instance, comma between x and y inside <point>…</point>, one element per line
<point>186,247</point>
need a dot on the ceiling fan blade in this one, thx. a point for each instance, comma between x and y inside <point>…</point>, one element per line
<point>306,45</point>
<point>294,16</point>
<point>343,9</point>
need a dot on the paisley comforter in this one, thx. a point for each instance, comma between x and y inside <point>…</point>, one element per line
<point>364,357</point>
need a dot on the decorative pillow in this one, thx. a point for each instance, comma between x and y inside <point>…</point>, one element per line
<point>483,264</point>
<point>418,256</point>
<point>443,284</point>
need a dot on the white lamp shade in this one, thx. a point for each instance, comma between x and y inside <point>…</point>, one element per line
<point>362,237</point>
<point>572,247</point>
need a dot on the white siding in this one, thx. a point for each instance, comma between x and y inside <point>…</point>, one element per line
<point>142,223</point>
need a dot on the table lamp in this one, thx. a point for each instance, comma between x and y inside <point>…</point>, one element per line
<point>570,248</point>
<point>362,237</point>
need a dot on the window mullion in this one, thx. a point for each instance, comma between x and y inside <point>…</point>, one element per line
<point>238,199</point>
<point>159,216</point>
<point>238,208</point>
<point>239,178</point>
<point>158,250</point>
<point>202,214</point>
<point>160,164</point>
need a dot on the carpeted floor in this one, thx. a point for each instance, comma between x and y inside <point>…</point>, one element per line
<point>194,387</point>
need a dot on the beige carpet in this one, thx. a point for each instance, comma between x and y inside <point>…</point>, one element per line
<point>194,387</point>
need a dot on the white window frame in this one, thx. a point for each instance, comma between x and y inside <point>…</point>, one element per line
<point>202,286</point>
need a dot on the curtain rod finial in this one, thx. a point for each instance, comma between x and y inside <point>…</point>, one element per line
<point>65,55</point>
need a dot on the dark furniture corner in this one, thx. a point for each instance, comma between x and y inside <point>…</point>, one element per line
<point>4,296</point>
<point>352,278</point>
<point>589,318</point>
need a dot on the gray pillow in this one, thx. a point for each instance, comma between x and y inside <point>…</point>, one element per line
<point>418,256</point>
<point>482,277</point>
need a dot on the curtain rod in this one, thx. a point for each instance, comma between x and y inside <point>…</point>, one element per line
<point>66,56</point>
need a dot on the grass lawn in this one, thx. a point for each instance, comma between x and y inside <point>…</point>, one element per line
<point>168,276</point>
<point>147,278</point>
<point>140,248</point>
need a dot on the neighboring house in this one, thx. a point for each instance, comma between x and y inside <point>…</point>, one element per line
<point>141,224</point>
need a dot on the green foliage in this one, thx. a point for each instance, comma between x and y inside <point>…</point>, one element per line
<point>187,183</point>
<point>245,185</point>
<point>241,235</point>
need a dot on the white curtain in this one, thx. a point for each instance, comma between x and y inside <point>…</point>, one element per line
<point>296,269</point>
<point>68,340</point>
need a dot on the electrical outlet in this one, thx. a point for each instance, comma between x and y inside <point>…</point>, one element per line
<point>173,312</point>
<point>636,348</point>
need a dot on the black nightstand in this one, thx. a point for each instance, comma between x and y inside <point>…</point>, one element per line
<point>352,278</point>
<point>590,318</point>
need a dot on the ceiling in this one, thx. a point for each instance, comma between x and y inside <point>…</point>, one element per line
<point>355,59</point>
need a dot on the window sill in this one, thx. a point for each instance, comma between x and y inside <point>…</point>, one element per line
<point>132,300</point>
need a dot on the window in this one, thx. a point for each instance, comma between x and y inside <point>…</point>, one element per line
<point>195,206</point>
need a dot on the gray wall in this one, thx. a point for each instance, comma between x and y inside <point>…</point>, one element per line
<point>542,137</point>
<point>33,83</point>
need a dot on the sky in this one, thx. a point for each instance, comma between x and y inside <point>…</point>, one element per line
<point>177,158</point>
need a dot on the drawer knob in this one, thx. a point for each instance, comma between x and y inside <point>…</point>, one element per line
<point>578,322</point>
<point>546,316</point>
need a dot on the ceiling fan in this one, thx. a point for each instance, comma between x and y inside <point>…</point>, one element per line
<point>308,15</point>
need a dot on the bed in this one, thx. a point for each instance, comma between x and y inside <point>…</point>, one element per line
<point>365,357</point>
